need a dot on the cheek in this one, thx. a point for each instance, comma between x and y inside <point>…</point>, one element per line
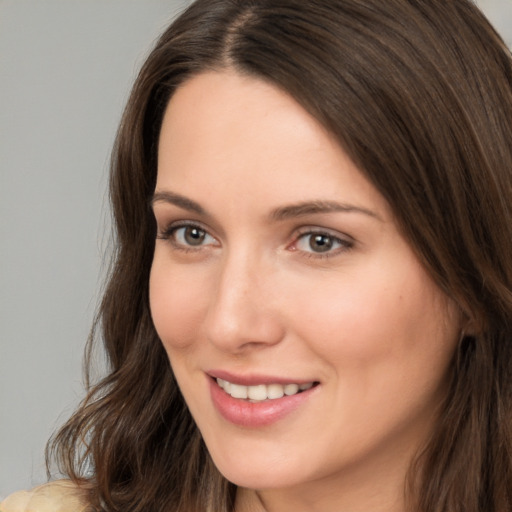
<point>397,317</point>
<point>176,304</point>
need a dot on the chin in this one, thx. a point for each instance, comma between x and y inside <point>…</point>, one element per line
<point>268,474</point>
<point>259,480</point>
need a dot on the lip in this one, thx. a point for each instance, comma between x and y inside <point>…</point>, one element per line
<point>254,379</point>
<point>258,414</point>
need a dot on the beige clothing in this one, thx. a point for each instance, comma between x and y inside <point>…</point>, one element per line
<point>59,496</point>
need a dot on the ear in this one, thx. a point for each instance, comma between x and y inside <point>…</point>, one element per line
<point>472,321</point>
<point>472,325</point>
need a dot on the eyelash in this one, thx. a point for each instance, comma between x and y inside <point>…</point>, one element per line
<point>344,244</point>
<point>170,232</point>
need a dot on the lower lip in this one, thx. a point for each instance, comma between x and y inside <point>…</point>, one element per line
<point>255,414</point>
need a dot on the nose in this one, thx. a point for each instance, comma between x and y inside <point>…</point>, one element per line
<point>243,311</point>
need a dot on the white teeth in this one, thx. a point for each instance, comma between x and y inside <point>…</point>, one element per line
<point>237,391</point>
<point>261,391</point>
<point>291,389</point>
<point>275,391</point>
<point>257,392</point>
<point>224,384</point>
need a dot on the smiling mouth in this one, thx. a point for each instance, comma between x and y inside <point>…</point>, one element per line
<point>263,392</point>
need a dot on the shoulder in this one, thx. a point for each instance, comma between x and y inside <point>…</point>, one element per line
<point>58,496</point>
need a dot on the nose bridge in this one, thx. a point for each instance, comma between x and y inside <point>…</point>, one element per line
<point>242,311</point>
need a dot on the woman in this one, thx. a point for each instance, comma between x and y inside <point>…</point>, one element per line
<point>310,305</point>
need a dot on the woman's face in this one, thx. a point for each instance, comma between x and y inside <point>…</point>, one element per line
<point>278,266</point>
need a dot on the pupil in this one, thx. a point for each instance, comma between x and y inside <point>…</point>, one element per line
<point>194,236</point>
<point>320,243</point>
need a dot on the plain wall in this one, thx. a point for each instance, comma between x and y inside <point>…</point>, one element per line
<point>66,67</point>
<point>499,13</point>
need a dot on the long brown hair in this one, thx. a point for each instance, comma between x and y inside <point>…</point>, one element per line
<point>419,93</point>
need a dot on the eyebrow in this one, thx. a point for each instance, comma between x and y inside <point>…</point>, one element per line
<point>317,207</point>
<point>279,214</point>
<point>178,200</point>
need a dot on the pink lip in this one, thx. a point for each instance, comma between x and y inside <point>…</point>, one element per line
<point>253,379</point>
<point>252,415</point>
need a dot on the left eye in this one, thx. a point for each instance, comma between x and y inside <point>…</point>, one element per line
<point>192,236</point>
<point>319,242</point>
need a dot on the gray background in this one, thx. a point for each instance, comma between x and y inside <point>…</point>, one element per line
<point>66,67</point>
<point>65,70</point>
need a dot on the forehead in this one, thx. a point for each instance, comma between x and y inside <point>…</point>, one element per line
<point>255,140</point>
<point>245,108</point>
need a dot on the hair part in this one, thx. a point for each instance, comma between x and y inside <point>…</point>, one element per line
<point>419,94</point>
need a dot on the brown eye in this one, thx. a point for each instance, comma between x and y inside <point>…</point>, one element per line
<point>192,236</point>
<point>321,242</point>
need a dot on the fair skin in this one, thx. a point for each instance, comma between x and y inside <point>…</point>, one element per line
<point>278,263</point>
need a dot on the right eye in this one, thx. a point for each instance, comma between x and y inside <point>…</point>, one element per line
<point>188,236</point>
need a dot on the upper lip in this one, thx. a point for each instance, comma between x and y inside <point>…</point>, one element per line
<point>254,379</point>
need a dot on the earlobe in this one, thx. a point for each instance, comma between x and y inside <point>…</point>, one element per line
<point>473,324</point>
